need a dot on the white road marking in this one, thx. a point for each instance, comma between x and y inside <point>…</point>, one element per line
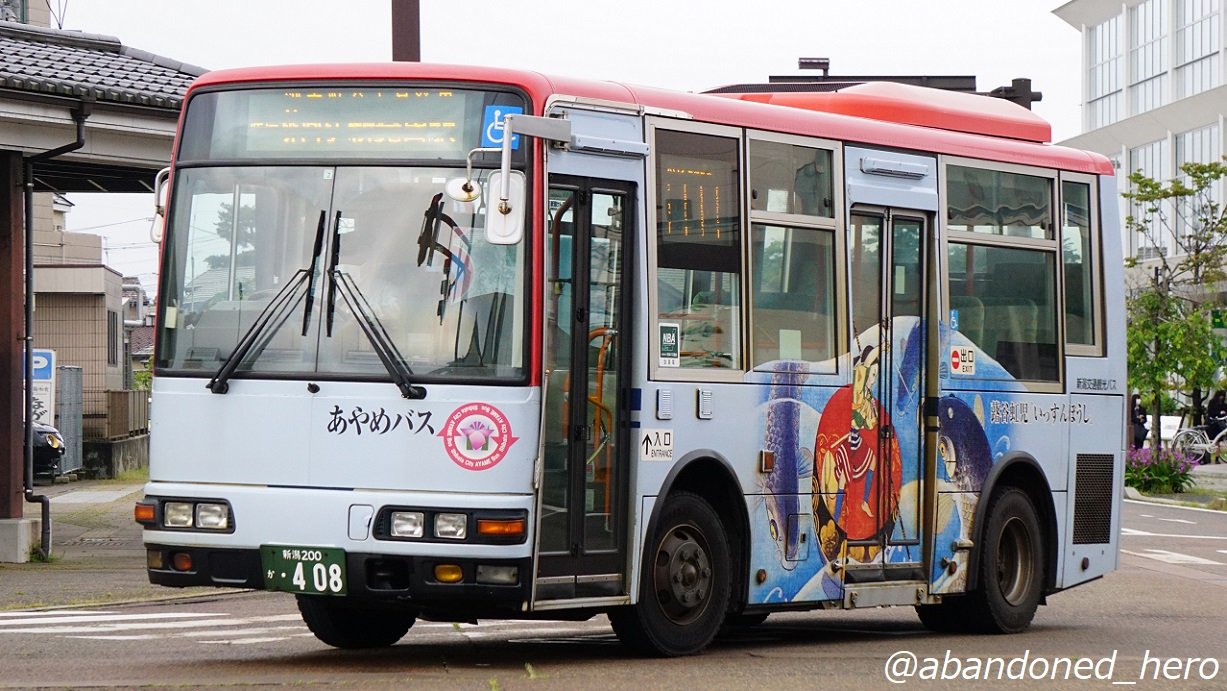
<point>147,624</point>
<point>1173,557</point>
<point>1130,532</point>
<point>48,613</point>
<point>88,617</point>
<point>1178,520</point>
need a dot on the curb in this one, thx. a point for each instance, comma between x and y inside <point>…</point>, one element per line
<point>1215,505</point>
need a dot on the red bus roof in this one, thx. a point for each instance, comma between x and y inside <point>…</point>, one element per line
<point>917,105</point>
<point>878,114</point>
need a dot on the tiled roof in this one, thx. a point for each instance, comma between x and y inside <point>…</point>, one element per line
<point>78,65</point>
<point>140,341</point>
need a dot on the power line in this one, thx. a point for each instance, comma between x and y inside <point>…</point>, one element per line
<point>146,219</point>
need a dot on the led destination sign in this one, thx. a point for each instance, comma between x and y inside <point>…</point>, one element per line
<point>362,122</point>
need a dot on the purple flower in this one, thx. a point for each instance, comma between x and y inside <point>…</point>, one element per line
<point>477,433</point>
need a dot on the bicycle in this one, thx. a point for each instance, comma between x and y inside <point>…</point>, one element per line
<point>1196,442</point>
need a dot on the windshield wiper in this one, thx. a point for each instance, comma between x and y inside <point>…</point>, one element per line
<point>276,312</point>
<point>315,262</point>
<point>332,267</point>
<point>378,336</point>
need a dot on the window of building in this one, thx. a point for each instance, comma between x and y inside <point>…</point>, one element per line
<point>1152,160</point>
<point>1197,46</point>
<point>698,250</point>
<point>1148,55</point>
<point>113,334</point>
<point>1104,83</point>
<point>1079,247</point>
<point>1196,146</point>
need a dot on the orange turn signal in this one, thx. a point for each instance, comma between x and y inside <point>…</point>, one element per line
<point>145,513</point>
<point>448,573</point>
<point>500,528</point>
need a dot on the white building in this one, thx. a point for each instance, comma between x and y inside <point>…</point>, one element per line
<point>1154,94</point>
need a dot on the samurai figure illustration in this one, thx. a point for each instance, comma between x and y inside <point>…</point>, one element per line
<point>850,462</point>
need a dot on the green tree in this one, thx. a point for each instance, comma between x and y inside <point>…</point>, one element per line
<point>1170,340</point>
<point>237,232</point>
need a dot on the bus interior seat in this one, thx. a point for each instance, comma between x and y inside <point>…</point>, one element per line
<point>971,316</point>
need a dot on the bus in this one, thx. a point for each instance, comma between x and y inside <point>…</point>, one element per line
<point>458,343</point>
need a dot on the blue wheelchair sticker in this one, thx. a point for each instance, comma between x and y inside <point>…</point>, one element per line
<point>492,125</point>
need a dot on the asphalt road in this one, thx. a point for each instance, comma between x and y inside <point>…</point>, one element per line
<point>1160,618</point>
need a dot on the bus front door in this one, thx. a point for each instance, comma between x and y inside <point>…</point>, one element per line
<point>581,501</point>
<point>881,479</point>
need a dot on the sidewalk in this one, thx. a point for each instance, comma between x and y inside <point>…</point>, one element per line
<point>96,551</point>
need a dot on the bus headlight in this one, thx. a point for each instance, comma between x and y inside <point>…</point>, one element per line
<point>452,526</point>
<point>204,515</point>
<point>212,516</point>
<point>408,524</point>
<point>177,514</point>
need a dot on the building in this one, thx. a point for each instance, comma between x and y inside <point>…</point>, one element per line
<point>78,112</point>
<point>1154,93</point>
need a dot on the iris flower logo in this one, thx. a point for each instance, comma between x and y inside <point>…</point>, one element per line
<point>477,436</point>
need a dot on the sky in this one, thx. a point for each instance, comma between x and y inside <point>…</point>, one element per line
<point>689,45</point>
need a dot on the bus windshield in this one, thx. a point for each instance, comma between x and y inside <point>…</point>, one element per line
<point>443,295</point>
<point>308,235</point>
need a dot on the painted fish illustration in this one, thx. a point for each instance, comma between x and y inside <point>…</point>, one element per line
<point>780,486</point>
<point>962,444</point>
<point>963,450</point>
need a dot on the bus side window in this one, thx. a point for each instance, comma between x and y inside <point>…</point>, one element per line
<point>792,302</point>
<point>698,246</point>
<point>1078,243</point>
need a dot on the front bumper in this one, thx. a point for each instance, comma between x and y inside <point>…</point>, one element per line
<point>371,576</point>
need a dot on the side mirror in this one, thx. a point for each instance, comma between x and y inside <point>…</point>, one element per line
<point>510,199</point>
<point>506,228</point>
<point>159,204</point>
<point>505,221</point>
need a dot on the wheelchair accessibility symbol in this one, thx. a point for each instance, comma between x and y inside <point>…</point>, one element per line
<point>492,125</point>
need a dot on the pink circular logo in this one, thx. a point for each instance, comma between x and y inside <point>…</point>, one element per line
<point>477,436</point>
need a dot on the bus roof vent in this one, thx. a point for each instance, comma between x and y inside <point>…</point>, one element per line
<point>917,105</point>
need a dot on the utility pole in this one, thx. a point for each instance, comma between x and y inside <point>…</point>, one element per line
<point>406,31</point>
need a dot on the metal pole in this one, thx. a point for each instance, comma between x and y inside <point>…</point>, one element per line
<point>79,115</point>
<point>406,31</point>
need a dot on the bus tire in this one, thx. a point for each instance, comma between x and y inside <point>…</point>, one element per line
<point>685,588</point>
<point>341,624</point>
<point>1010,568</point>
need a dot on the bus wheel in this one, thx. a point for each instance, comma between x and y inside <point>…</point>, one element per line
<point>1011,566</point>
<point>342,624</point>
<point>685,591</point>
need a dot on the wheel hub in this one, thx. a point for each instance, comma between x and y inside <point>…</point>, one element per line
<point>684,568</point>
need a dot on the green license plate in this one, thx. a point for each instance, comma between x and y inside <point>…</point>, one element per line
<point>310,570</point>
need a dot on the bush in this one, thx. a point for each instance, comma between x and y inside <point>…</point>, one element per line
<point>1162,471</point>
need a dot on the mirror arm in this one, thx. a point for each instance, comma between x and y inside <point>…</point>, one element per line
<point>547,128</point>
<point>504,206</point>
<point>468,164</point>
